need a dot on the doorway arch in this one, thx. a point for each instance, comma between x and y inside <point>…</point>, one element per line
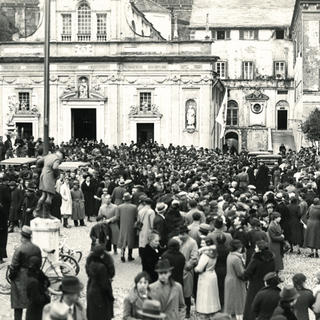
<point>232,139</point>
<point>282,110</point>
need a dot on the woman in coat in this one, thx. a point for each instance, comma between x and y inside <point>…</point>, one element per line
<point>208,293</point>
<point>255,235</point>
<point>312,239</point>
<point>262,262</point>
<point>66,206</point>
<point>78,211</point>
<point>221,265</point>
<point>176,259</point>
<point>99,290</point>
<point>137,294</point>
<point>150,256</point>
<point>37,286</point>
<point>296,227</point>
<point>235,289</point>
<point>276,239</point>
<point>88,189</point>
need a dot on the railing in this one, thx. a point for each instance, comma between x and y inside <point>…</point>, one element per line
<point>66,37</point>
<point>101,37</point>
<point>84,37</point>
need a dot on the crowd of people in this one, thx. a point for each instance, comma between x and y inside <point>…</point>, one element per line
<point>211,228</point>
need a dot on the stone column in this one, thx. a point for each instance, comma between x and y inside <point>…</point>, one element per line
<point>45,234</point>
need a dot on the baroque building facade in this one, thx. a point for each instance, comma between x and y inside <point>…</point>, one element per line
<point>113,76</point>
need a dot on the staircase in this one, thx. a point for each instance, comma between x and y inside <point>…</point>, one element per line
<point>285,137</point>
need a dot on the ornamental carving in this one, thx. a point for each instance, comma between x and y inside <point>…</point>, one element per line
<point>257,95</point>
<point>144,109</point>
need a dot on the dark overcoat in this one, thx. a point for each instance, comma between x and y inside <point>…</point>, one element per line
<point>149,259</point>
<point>260,264</point>
<point>265,302</point>
<point>285,219</point>
<point>127,216</point>
<point>312,239</point>
<point>3,233</point>
<point>296,227</point>
<point>99,291</point>
<point>36,293</point>
<point>30,202</point>
<point>50,171</point>
<point>276,243</point>
<point>19,269</point>
<point>103,240</point>
<point>88,193</point>
<point>221,269</point>
<point>254,235</point>
<point>5,198</point>
<point>262,177</point>
<point>17,197</point>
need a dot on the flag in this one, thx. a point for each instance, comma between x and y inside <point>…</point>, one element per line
<point>222,115</point>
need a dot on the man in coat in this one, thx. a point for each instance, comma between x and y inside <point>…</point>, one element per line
<point>50,171</point>
<point>262,178</point>
<point>17,197</point>
<point>127,215</point>
<point>168,292</point>
<point>189,248</point>
<point>68,306</point>
<point>101,234</point>
<point>118,193</point>
<point>29,204</point>
<point>137,193</point>
<point>5,195</point>
<point>18,271</point>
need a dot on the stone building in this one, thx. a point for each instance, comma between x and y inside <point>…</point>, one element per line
<point>253,42</point>
<point>306,62</point>
<point>113,76</point>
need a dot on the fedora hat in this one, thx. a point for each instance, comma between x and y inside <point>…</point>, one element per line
<point>289,293</point>
<point>163,265</point>
<point>126,196</point>
<point>70,284</point>
<point>204,228</point>
<point>12,184</point>
<point>275,215</point>
<point>143,197</point>
<point>183,229</point>
<point>161,207</point>
<point>218,223</point>
<point>138,186</point>
<point>255,222</point>
<point>122,183</point>
<point>98,250</point>
<point>26,232</point>
<point>235,244</point>
<point>31,187</point>
<point>279,196</point>
<point>151,309</point>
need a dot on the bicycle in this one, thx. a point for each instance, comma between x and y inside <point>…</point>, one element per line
<point>70,256</point>
<point>55,272</point>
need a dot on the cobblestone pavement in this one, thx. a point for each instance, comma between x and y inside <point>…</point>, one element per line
<point>78,239</point>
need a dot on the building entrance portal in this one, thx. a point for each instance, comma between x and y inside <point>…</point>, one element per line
<point>84,123</point>
<point>282,119</point>
<point>24,129</point>
<point>145,132</point>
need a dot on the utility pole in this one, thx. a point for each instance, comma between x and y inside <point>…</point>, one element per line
<point>46,78</point>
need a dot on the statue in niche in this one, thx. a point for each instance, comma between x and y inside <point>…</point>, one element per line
<point>83,89</point>
<point>12,109</point>
<point>191,114</point>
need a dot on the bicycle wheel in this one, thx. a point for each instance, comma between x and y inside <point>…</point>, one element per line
<point>5,286</point>
<point>77,255</point>
<point>70,260</point>
<point>55,272</point>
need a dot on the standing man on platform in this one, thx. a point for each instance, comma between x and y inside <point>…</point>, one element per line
<point>18,271</point>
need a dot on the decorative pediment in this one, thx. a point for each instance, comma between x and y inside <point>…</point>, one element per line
<point>145,111</point>
<point>74,95</point>
<point>257,95</point>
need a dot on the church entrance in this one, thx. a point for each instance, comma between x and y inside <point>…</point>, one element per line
<point>24,129</point>
<point>145,132</point>
<point>282,119</point>
<point>84,123</point>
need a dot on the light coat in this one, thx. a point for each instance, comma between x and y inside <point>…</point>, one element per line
<point>66,206</point>
<point>146,216</point>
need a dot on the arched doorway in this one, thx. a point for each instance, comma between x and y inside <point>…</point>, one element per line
<point>231,141</point>
<point>282,108</point>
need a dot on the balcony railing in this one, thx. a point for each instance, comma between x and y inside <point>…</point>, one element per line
<point>84,37</point>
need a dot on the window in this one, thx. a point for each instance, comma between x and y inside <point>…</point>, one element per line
<point>66,27</point>
<point>145,101</point>
<point>84,23</point>
<point>249,34</point>
<point>101,27</point>
<point>282,91</point>
<point>279,34</point>
<point>232,113</point>
<point>279,70</point>
<point>221,69</point>
<point>24,101</point>
<point>248,70</point>
<point>220,34</point>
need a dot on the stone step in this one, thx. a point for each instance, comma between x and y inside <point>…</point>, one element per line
<point>285,137</point>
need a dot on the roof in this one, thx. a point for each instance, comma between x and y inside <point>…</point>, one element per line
<point>242,13</point>
<point>150,6</point>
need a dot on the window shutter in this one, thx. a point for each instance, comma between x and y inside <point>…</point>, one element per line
<point>256,34</point>
<point>242,70</point>
<point>226,68</point>
<point>274,69</point>
<point>214,34</point>
<point>253,70</point>
<point>227,34</point>
<point>241,34</point>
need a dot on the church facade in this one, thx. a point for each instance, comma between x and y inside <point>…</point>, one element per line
<point>113,76</point>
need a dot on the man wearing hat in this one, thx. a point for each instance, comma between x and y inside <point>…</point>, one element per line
<point>286,307</point>
<point>118,192</point>
<point>267,299</point>
<point>50,171</point>
<point>189,248</point>
<point>29,204</point>
<point>151,309</point>
<point>282,208</point>
<point>127,215</point>
<point>17,198</point>
<point>219,228</point>
<point>136,194</point>
<point>193,208</point>
<point>168,292</point>
<point>160,223</point>
<point>69,301</point>
<point>18,271</point>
